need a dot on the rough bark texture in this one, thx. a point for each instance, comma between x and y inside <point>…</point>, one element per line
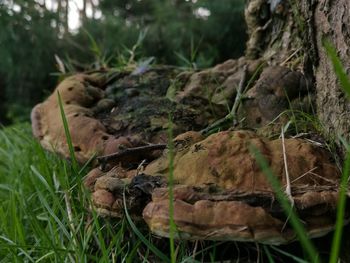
<point>332,20</point>
<point>291,32</point>
<point>273,33</point>
<point>316,19</point>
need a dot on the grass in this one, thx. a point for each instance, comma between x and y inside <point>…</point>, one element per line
<point>298,227</point>
<point>344,80</point>
<point>44,215</point>
<point>35,223</point>
<point>43,211</point>
<point>295,222</point>
<point>171,191</point>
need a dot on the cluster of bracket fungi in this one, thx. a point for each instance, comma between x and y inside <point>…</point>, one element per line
<point>220,192</point>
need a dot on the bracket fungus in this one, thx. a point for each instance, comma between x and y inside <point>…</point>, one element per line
<point>111,111</point>
<point>220,192</point>
<point>78,94</point>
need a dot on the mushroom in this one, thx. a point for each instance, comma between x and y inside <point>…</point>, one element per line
<point>78,93</point>
<point>104,118</point>
<point>220,192</point>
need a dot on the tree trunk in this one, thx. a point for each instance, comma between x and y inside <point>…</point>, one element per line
<point>83,12</point>
<point>58,13</point>
<point>332,20</point>
<point>93,8</point>
<point>3,107</point>
<point>291,32</point>
<point>66,16</point>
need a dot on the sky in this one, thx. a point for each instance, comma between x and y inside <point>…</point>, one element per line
<point>73,14</point>
<point>76,5</point>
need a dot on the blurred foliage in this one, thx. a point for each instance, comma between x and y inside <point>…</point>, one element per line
<point>205,32</point>
<point>185,33</point>
<point>27,42</point>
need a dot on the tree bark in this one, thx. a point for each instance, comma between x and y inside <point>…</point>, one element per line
<point>281,29</point>
<point>332,20</point>
<point>3,108</point>
<point>302,25</point>
<point>66,14</point>
<point>83,12</point>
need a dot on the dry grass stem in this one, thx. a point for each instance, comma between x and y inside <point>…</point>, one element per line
<point>140,168</point>
<point>301,176</point>
<point>288,190</point>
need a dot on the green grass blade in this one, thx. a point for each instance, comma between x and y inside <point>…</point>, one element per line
<point>345,84</point>
<point>191,257</point>
<point>93,44</point>
<point>336,243</point>
<point>87,163</point>
<point>337,66</point>
<point>171,192</point>
<point>288,209</point>
<point>100,239</point>
<point>144,240</point>
<point>67,133</point>
<point>296,259</point>
<point>20,248</point>
<point>48,207</point>
<point>268,254</point>
<point>132,254</point>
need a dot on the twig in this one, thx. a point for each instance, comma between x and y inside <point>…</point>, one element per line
<point>290,57</point>
<point>195,249</point>
<point>114,156</point>
<point>233,113</point>
<point>323,178</point>
<point>239,95</point>
<point>140,167</point>
<point>70,215</point>
<point>144,259</point>
<point>308,172</point>
<point>69,209</point>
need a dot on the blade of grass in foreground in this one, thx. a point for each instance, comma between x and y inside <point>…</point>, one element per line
<point>268,254</point>
<point>299,229</point>
<point>337,65</point>
<point>149,245</point>
<point>67,133</point>
<point>345,84</point>
<point>336,243</point>
<point>296,259</point>
<point>171,192</point>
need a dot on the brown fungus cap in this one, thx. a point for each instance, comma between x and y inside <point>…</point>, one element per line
<point>236,216</point>
<point>223,195</point>
<point>224,159</point>
<point>109,114</point>
<point>218,84</point>
<point>220,193</point>
<point>78,94</point>
<point>109,111</point>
